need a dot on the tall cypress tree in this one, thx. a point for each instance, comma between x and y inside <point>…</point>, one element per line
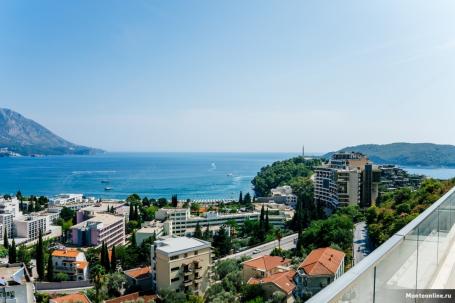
<point>198,231</point>
<point>133,240</point>
<point>40,256</point>
<point>136,213</point>
<point>266,225</point>
<point>131,214</point>
<point>261,220</point>
<point>206,235</point>
<point>5,238</point>
<point>241,198</point>
<point>50,269</point>
<point>113,259</point>
<point>12,255</point>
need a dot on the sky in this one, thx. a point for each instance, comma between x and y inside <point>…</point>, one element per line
<point>256,76</point>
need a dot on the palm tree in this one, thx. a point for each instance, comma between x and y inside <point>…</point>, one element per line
<point>278,236</point>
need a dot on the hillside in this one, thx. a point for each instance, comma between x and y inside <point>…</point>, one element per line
<point>19,135</point>
<point>407,154</point>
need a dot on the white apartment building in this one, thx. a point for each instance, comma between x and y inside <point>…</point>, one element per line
<point>184,224</point>
<point>29,226</point>
<point>71,262</point>
<point>106,228</point>
<point>63,199</point>
<point>16,285</point>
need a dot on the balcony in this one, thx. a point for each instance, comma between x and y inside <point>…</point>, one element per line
<point>419,256</point>
<point>187,282</point>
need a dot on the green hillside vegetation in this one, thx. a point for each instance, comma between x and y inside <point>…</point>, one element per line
<point>286,172</point>
<point>407,154</point>
<point>398,208</point>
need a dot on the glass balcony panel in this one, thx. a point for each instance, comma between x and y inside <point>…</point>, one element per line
<point>397,270</point>
<point>360,291</point>
<point>427,250</point>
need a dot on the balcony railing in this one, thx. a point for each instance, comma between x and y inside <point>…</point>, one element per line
<point>413,258</point>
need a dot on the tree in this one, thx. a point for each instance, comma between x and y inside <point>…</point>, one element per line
<point>247,199</point>
<point>61,276</point>
<point>278,236</point>
<point>12,257</point>
<point>267,224</point>
<point>5,238</point>
<point>40,256</point>
<point>133,240</point>
<point>252,291</point>
<point>171,296</point>
<point>198,231</point>
<point>50,269</point>
<point>222,242</point>
<point>136,214</point>
<point>23,255</point>
<point>241,198</point>
<point>133,199</point>
<point>19,195</point>
<point>174,201</point>
<point>131,213</point>
<point>97,275</point>
<point>207,233</point>
<point>115,282</point>
<point>31,206</point>
<point>113,259</point>
<point>224,267</point>
<point>105,257</point>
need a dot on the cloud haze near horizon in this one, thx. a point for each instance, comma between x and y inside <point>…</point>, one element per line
<point>233,75</point>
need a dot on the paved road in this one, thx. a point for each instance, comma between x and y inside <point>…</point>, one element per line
<point>361,245</point>
<point>265,249</point>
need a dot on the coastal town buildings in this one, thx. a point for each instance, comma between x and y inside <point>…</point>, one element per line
<point>264,266</point>
<point>181,264</point>
<point>139,279</point>
<point>282,195</point>
<point>347,179</point>
<point>277,282</point>
<point>71,262</point>
<point>64,199</point>
<point>29,226</point>
<point>100,228</point>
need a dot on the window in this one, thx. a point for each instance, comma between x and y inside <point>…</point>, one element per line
<point>174,257</point>
<point>175,279</point>
<point>196,252</point>
<point>175,268</point>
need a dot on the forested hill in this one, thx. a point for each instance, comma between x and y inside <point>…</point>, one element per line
<point>19,135</point>
<point>286,172</point>
<point>407,154</point>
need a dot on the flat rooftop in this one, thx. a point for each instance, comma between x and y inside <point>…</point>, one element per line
<point>100,218</point>
<point>180,244</point>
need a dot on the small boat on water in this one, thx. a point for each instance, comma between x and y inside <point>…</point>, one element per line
<point>107,188</point>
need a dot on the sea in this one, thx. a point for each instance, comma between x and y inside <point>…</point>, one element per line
<point>196,176</point>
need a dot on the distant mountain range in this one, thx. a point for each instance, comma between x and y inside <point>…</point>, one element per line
<point>22,136</point>
<point>407,154</point>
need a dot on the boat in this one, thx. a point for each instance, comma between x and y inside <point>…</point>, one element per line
<point>108,188</point>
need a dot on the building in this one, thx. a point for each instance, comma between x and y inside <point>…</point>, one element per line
<point>116,208</point>
<point>30,226</point>
<point>139,279</point>
<point>184,224</point>
<point>347,179</point>
<point>181,264</point>
<point>320,268</point>
<point>71,298</point>
<point>9,209</point>
<point>281,195</point>
<point>64,199</point>
<point>277,282</point>
<point>16,284</point>
<point>133,297</point>
<point>106,228</point>
<point>71,262</point>
<point>153,229</point>
<point>265,266</point>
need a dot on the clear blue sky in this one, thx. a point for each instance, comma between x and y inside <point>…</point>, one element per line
<point>231,75</point>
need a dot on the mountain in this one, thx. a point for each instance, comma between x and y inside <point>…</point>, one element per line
<point>19,135</point>
<point>407,154</point>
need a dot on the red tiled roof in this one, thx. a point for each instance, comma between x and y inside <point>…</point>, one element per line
<point>72,298</point>
<point>131,297</point>
<point>322,261</point>
<point>267,263</point>
<point>283,280</point>
<point>139,273</point>
<point>68,253</point>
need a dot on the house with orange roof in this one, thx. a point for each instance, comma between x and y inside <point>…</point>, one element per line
<point>265,266</point>
<point>320,268</point>
<point>139,279</point>
<point>281,281</point>
<point>71,262</point>
<point>71,298</point>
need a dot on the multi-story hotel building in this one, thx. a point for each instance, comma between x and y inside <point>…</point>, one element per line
<point>348,178</point>
<point>29,226</point>
<point>181,264</point>
<point>106,228</point>
<point>183,224</point>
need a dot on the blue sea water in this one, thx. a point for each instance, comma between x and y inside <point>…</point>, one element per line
<point>189,175</point>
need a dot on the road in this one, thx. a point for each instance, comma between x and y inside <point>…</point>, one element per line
<point>265,249</point>
<point>361,246</point>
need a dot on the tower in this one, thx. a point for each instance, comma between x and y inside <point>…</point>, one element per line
<point>303,151</point>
